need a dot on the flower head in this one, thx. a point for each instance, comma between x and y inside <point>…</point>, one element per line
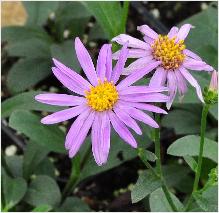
<point>171,52</point>
<point>102,101</point>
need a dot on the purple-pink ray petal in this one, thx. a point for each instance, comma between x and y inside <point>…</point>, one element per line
<point>137,74</point>
<point>159,77</point>
<point>101,62</point>
<point>143,106</point>
<point>133,53</point>
<point>184,31</point>
<point>146,30</point>
<point>122,130</point>
<point>117,70</point>
<point>173,32</point>
<point>153,97</point>
<point>85,61</point>
<point>74,76</point>
<point>172,85</point>
<point>142,89</point>
<point>60,99</point>
<point>148,40</point>
<point>141,116</point>
<point>109,63</point>
<point>125,118</point>
<point>81,135</point>
<point>191,54</point>
<point>76,127</point>
<point>198,65</point>
<point>181,83</point>
<point>138,64</point>
<point>67,81</point>
<point>192,81</point>
<point>64,115</point>
<point>101,138</point>
<point>132,42</point>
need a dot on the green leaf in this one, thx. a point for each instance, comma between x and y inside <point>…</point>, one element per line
<point>21,34</point>
<point>43,190</point>
<point>15,163</point>
<point>108,15</point>
<point>42,208</point>
<point>183,122</point>
<point>214,111</point>
<point>38,12</point>
<point>73,204</point>
<point>189,145</point>
<point>50,137</point>
<point>27,73</point>
<point>26,101</point>
<point>146,184</point>
<point>159,203</point>
<point>45,167</point>
<point>96,32</point>
<point>119,153</point>
<point>13,189</point>
<point>191,162</point>
<point>205,27</point>
<point>31,48</point>
<point>146,155</point>
<point>208,199</point>
<point>65,53</point>
<point>33,156</point>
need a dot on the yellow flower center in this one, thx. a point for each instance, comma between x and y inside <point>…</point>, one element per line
<point>168,51</point>
<point>103,96</point>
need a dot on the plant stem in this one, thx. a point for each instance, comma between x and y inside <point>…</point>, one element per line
<point>201,149</point>
<point>158,164</point>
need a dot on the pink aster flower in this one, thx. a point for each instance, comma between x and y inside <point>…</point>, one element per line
<point>171,52</point>
<point>102,101</point>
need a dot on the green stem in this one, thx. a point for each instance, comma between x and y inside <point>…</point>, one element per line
<point>201,149</point>
<point>158,164</point>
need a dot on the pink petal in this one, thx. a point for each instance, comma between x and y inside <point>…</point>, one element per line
<point>173,32</point>
<point>117,70</point>
<point>122,130</point>
<point>130,122</point>
<point>101,62</point>
<point>194,64</point>
<point>172,85</point>
<point>192,81</point>
<point>141,116</point>
<point>101,138</point>
<point>60,99</point>
<point>138,64</point>
<point>85,61</point>
<point>81,135</point>
<point>132,42</point>
<point>136,75</point>
<point>75,128</point>
<point>63,115</point>
<point>146,30</point>
<point>184,31</point>
<point>143,106</point>
<point>158,78</point>
<point>141,89</point>
<point>191,54</point>
<point>133,53</point>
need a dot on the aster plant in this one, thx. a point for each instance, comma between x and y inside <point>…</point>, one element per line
<point>174,59</point>
<point>102,101</point>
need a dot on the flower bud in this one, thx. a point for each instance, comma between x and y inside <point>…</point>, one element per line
<point>213,84</point>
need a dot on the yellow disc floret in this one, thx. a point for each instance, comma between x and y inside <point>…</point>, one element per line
<point>103,96</point>
<point>168,51</point>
